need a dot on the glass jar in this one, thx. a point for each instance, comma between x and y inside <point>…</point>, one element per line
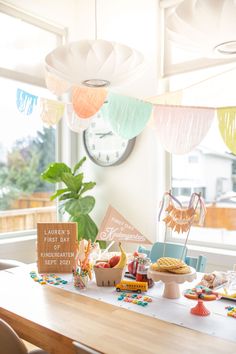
<point>142,269</point>
<point>80,280</point>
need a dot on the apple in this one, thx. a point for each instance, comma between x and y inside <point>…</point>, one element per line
<point>114,261</point>
<point>106,265</point>
<point>102,265</point>
<point>132,267</point>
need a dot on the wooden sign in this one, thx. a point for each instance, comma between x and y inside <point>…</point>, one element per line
<point>57,246</point>
<point>115,227</point>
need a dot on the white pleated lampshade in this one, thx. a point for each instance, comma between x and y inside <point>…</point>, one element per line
<point>95,63</point>
<point>204,26</point>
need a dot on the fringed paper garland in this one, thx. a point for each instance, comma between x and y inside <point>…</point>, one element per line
<point>181,129</point>
<point>128,116</point>
<point>88,101</point>
<point>25,101</point>
<point>180,218</point>
<point>227,126</point>
<point>170,98</point>
<point>51,111</point>
<point>75,123</point>
<point>56,85</point>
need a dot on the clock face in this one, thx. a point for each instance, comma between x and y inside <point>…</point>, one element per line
<point>104,147</point>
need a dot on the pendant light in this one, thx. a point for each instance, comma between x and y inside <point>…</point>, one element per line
<point>92,63</point>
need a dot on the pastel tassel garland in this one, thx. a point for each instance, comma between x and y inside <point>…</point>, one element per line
<point>25,101</point>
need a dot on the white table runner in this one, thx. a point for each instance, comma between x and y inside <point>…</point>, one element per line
<point>176,311</point>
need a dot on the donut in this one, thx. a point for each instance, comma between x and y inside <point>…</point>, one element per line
<point>191,296</point>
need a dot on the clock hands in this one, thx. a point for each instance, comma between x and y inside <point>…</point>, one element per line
<point>101,135</point>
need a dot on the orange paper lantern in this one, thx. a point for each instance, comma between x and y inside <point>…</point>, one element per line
<point>88,101</point>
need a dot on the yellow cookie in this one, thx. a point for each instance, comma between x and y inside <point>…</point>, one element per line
<point>156,267</point>
<point>169,263</point>
<point>182,270</point>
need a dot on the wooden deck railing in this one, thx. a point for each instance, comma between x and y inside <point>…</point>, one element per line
<point>25,219</point>
<point>222,217</point>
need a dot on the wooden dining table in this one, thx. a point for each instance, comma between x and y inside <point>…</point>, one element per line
<point>52,319</point>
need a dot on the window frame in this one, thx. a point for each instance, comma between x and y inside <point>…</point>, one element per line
<point>66,140</point>
<point>168,232</point>
<point>165,74</point>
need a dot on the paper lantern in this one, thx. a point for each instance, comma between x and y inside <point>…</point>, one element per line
<point>127,115</point>
<point>227,126</point>
<point>181,129</point>
<point>95,63</point>
<point>51,111</point>
<point>75,123</point>
<point>88,101</point>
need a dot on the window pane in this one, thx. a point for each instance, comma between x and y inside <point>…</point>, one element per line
<point>24,46</point>
<point>26,148</point>
<point>209,169</point>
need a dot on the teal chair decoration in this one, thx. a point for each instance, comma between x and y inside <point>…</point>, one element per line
<point>199,263</point>
<point>142,249</point>
<point>161,249</point>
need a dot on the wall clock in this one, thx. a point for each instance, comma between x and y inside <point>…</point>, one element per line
<point>104,147</point>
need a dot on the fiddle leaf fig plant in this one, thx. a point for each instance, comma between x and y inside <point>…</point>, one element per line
<point>71,198</point>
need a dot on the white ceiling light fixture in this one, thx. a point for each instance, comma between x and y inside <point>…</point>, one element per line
<point>95,63</point>
<point>226,48</point>
<point>206,26</point>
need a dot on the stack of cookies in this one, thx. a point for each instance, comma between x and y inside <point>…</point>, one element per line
<point>171,265</point>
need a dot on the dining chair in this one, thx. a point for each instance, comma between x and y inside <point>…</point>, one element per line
<point>9,263</point>
<point>83,349</point>
<point>165,249</point>
<point>11,342</point>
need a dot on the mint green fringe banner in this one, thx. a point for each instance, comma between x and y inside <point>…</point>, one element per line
<point>128,116</point>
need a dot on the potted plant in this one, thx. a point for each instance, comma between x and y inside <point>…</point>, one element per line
<point>71,198</point>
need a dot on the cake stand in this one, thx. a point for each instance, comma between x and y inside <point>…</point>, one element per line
<point>171,281</point>
<point>200,309</point>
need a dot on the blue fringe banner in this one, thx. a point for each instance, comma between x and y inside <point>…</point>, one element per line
<point>25,101</point>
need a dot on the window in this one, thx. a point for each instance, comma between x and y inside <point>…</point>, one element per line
<point>24,46</point>
<point>214,177</point>
<point>203,80</point>
<point>26,144</point>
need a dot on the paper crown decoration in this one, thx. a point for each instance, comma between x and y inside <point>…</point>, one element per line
<point>93,63</point>
<point>115,227</point>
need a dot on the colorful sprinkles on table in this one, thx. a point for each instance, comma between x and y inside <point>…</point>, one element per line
<point>231,311</point>
<point>141,300</point>
<point>43,279</point>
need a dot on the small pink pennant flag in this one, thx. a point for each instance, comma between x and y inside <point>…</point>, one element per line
<point>115,227</point>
